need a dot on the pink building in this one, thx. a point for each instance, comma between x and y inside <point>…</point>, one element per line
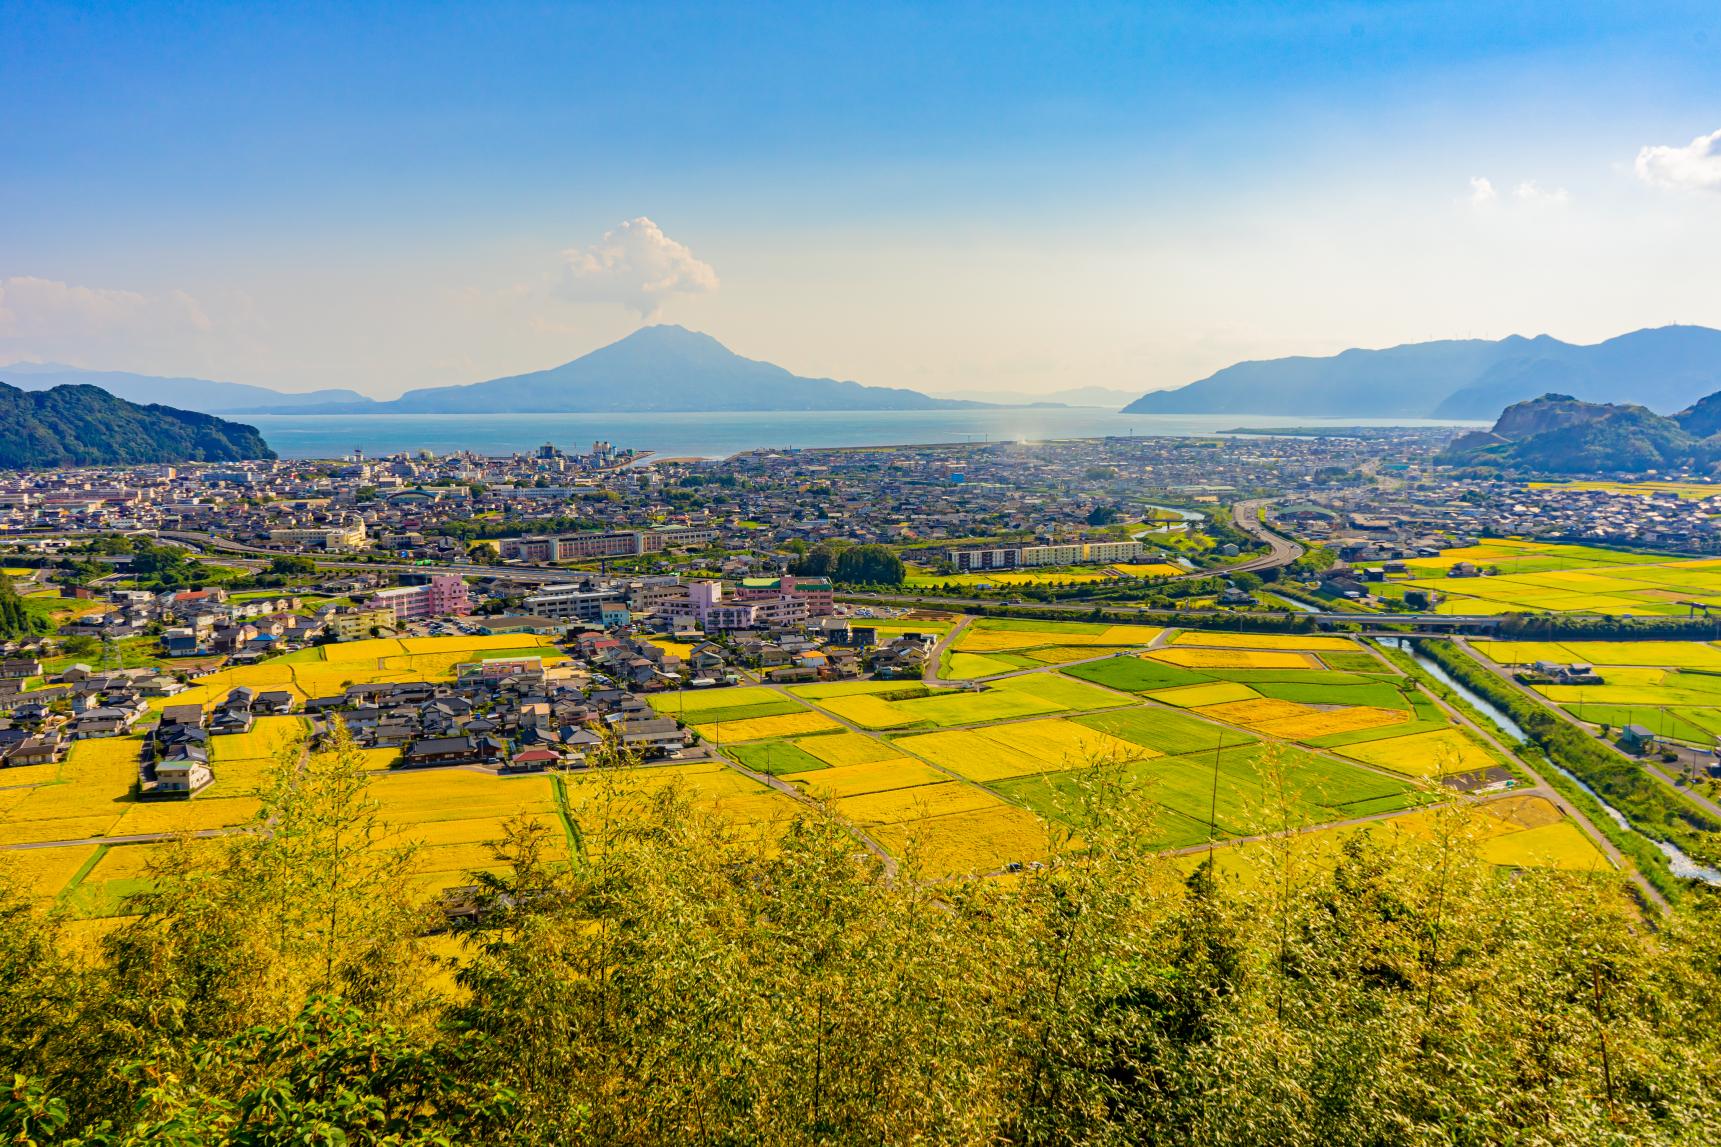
<point>445,595</point>
<point>705,598</point>
<point>816,593</point>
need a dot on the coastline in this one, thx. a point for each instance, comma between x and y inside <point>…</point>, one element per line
<point>723,434</point>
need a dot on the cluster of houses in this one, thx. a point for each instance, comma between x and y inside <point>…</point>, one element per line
<point>44,714</point>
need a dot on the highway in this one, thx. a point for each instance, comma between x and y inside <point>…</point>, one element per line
<point>1281,551</point>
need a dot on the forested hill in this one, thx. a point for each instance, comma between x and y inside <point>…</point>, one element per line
<point>87,426</point>
<point>1557,433</point>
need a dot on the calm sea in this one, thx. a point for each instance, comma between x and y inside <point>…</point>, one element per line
<point>719,435</point>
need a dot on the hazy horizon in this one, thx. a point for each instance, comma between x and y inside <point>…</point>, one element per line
<point>955,200</point>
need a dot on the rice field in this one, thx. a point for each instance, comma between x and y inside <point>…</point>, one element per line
<point>1022,748</point>
<point>1206,693</point>
<point>919,802</point>
<point>1535,577</point>
<point>1432,754</point>
<point>605,801</point>
<point>1148,569</point>
<point>1083,576</point>
<point>968,843</point>
<point>969,665</point>
<point>321,670</point>
<point>1515,832</point>
<point>903,705</point>
<point>873,777</point>
<point>1689,491</point>
<point>1193,657</point>
<point>1673,688</point>
<point>775,757</point>
<point>1001,635</point>
<point>846,749</point>
<point>759,728</point>
<point>1246,789</point>
<point>266,737</point>
<point>1308,643</point>
<point>44,872</point>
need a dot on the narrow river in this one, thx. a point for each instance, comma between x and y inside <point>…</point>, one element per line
<point>1681,864</point>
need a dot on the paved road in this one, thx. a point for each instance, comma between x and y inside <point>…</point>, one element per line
<point>1281,551</point>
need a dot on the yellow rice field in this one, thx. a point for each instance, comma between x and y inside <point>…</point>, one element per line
<point>1278,641</point>
<point>872,777</point>
<point>759,728</point>
<point>847,749</point>
<point>265,738</point>
<point>1194,657</point>
<point>1064,744</point>
<point>1430,754</point>
<point>867,711</point>
<point>204,812</point>
<point>968,753</point>
<point>43,872</point>
<point>457,794</point>
<point>1007,640</point>
<point>968,843</point>
<point>1254,712</point>
<point>895,806</point>
<point>1195,696</point>
<point>621,798</point>
<point>1559,845</point>
<point>1326,722</point>
<point>1147,569</point>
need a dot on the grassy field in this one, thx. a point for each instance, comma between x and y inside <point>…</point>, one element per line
<point>1136,674</point>
<point>902,705</point>
<point>776,758</point>
<point>1189,657</point>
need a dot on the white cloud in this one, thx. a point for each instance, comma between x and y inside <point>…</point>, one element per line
<point>1482,190</point>
<point>47,318</point>
<point>1529,192</point>
<point>1694,167</point>
<point>636,265</point>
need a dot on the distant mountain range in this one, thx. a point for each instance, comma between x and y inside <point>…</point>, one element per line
<point>1665,369</point>
<point>185,393</point>
<point>658,368</point>
<point>87,426</point>
<point>1560,434</point>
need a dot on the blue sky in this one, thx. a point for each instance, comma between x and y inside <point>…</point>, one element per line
<point>953,197</point>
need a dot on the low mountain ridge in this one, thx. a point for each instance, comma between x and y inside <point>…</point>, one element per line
<point>201,394</point>
<point>1665,368</point>
<point>87,426</point>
